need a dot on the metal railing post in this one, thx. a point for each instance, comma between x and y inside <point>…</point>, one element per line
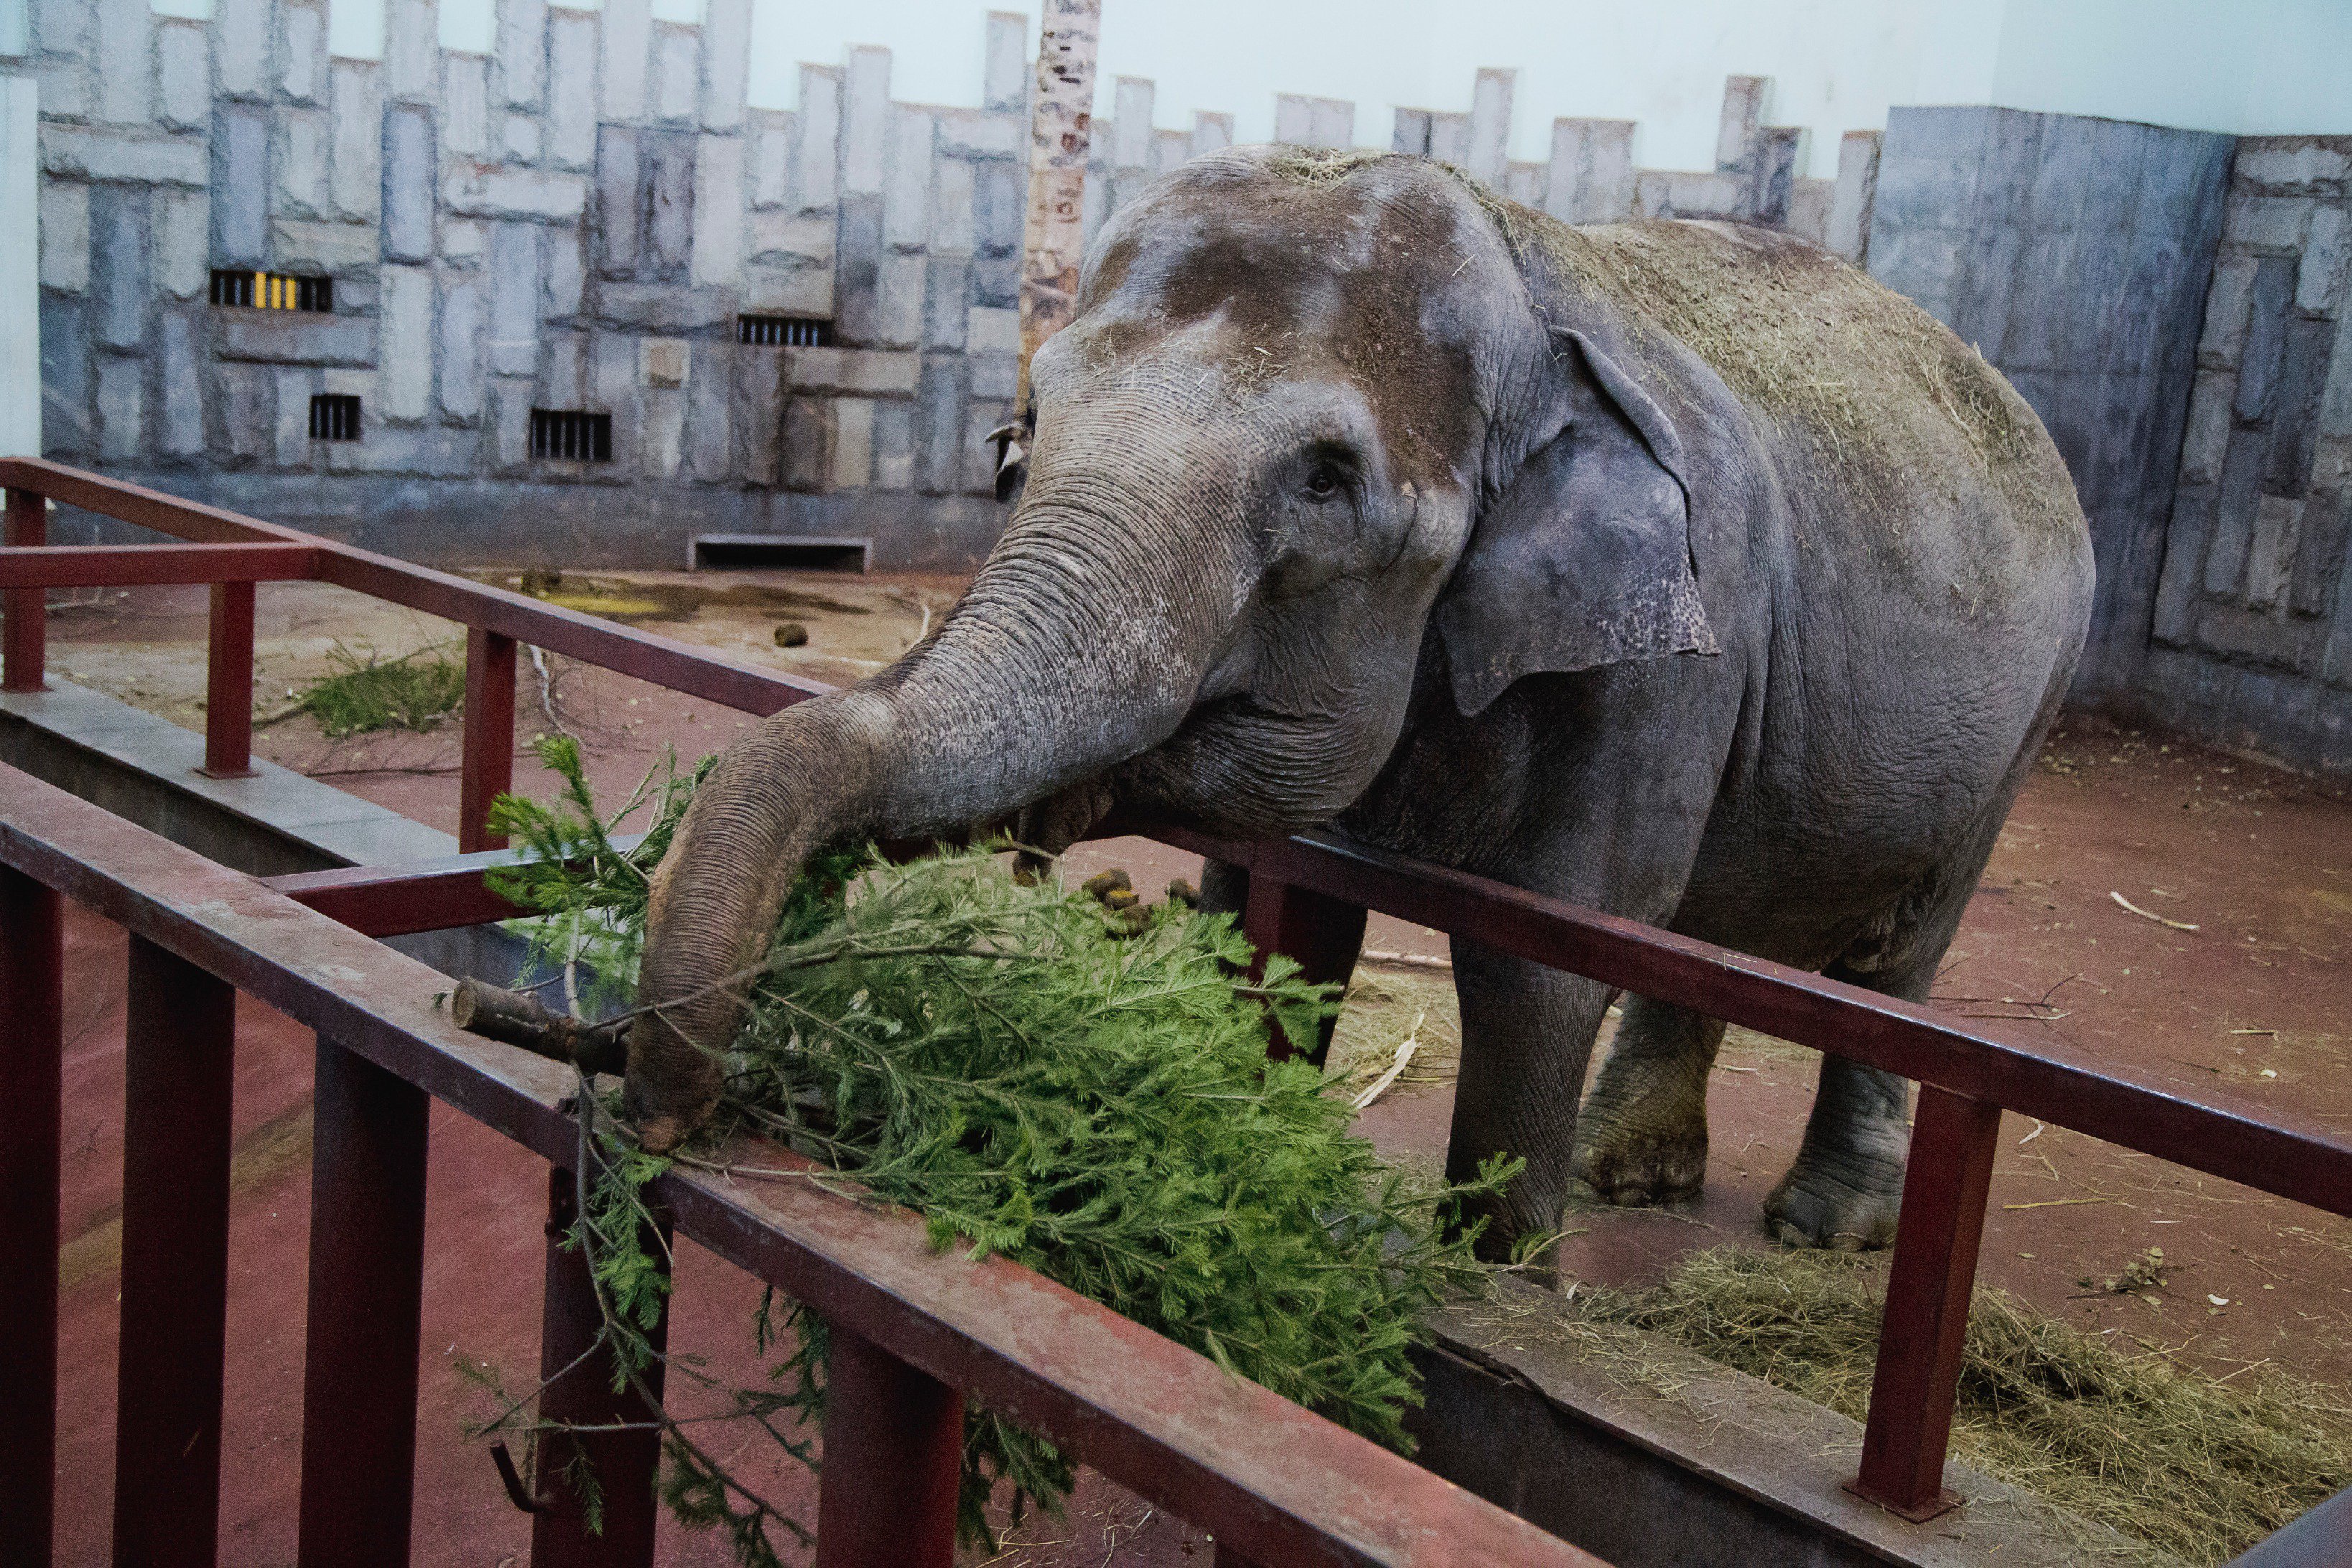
<point>32,1041</point>
<point>1322,934</point>
<point>1946,1182</point>
<point>23,611</point>
<point>488,765</point>
<point>228,684</point>
<point>893,1458</point>
<point>367,1275</point>
<point>580,1390</point>
<point>180,1035</point>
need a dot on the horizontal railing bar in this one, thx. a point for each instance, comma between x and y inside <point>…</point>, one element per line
<point>2273,1151</point>
<point>142,565</point>
<point>1279,1482</point>
<point>572,633</point>
<point>422,896</point>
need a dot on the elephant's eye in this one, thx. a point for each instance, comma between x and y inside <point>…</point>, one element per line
<point>1323,482</point>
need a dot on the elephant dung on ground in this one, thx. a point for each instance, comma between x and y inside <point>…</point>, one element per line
<point>1676,569</point>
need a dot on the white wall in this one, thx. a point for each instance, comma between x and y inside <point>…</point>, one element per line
<point>20,269</point>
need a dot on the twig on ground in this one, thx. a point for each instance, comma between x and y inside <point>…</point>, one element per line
<point>2150,914</point>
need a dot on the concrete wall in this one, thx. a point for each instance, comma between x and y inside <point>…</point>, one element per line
<point>2074,253</point>
<point>2252,630</point>
<point>20,282</point>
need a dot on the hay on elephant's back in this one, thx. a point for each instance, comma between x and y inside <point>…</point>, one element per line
<point>2190,1466</point>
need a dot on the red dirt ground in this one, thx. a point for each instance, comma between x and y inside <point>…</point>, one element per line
<point>2252,1003</point>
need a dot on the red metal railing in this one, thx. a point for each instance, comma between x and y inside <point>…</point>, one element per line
<point>1308,896</point>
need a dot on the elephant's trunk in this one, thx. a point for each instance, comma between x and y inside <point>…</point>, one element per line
<point>1065,659</point>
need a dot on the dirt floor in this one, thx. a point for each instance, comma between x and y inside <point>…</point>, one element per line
<point>2250,988</point>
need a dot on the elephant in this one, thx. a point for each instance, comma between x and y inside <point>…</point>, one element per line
<point>1677,569</point>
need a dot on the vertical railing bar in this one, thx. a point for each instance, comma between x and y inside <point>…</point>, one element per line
<point>180,1042</point>
<point>1954,1139</point>
<point>228,684</point>
<point>488,769</point>
<point>367,1276</point>
<point>23,611</point>
<point>32,1041</point>
<point>893,1458</point>
<point>571,1323</point>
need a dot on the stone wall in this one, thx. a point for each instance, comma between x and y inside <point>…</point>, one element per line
<point>2074,253</point>
<point>2252,629</point>
<point>575,221</point>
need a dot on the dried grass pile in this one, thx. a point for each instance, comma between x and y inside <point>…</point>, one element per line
<point>2194,1467</point>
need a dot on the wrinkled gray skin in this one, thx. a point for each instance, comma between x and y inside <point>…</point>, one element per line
<point>1347,501</point>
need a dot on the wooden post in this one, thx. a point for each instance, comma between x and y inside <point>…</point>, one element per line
<point>228,685</point>
<point>1060,124</point>
<point>24,644</point>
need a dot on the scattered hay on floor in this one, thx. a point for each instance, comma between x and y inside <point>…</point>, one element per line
<point>1382,1006</point>
<point>2167,1456</point>
<point>365,693</point>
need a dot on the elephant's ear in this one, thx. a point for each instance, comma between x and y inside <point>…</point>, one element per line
<point>1586,559</point>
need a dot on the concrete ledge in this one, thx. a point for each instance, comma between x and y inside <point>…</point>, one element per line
<point>1651,1456</point>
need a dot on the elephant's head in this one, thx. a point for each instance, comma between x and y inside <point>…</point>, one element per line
<point>1307,412</point>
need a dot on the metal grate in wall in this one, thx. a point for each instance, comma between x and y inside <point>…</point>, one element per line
<point>273,290</point>
<point>335,416</point>
<point>570,434</point>
<point>783,331</point>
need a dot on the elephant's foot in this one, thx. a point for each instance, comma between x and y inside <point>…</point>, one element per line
<point>1849,1208</point>
<point>1642,1141</point>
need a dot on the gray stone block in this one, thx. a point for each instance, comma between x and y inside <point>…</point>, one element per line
<point>819,124</point>
<point>121,409</point>
<point>907,180</point>
<point>1667,193</point>
<point>461,241</point>
<point>1005,79</point>
<point>2266,223</point>
<point>798,238</point>
<point>2335,403</point>
<point>676,93</point>
<point>996,280</point>
<point>566,276</point>
<point>868,372</point>
<point>2182,585</point>
<point>619,225</point>
<point>566,373</point>
<point>183,74</point>
<point>894,447</point>
<point>466,105</point>
<point>431,451</point>
<point>1000,207</point>
<point>407,196</point>
<point>938,423</point>
<point>2258,373</point>
<point>1210,131</point>
<point>898,301</point>
<point>771,154</point>
<point>482,189</point>
<point>2228,305</point>
<point>66,90</point>
<point>2234,513</point>
<point>356,178</point>
<point>726,62</point>
<point>1409,133</point>
<point>758,417</point>
<point>2207,436</point>
<point>718,227</point>
<point>249,412</point>
<point>1590,178</point>
<point>852,465</point>
<point>412,53</point>
<point>2118,159</point>
<point>807,456</point>
<point>1739,120</point>
<point>1490,125</point>
<point>993,376</point>
<point>241,191</point>
<point>521,59</point>
<point>302,51</point>
<point>946,286</point>
<point>1129,145</point>
<point>865,122</point>
<point>2319,559</point>
<point>1170,149</point>
<point>952,215</point>
<point>64,219</point>
<point>2294,418</point>
<point>121,270</point>
<point>125,40</point>
<point>308,246</point>
<point>66,428</point>
<point>570,141</point>
<point>2292,162</point>
<point>976,470</point>
<point>660,307</point>
<point>661,439</point>
<point>976,133</point>
<point>181,373</point>
<point>407,386</point>
<point>514,272</point>
<point>75,153</point>
<point>613,359</point>
<point>1852,200</point>
<point>668,249</point>
<point>1916,193</point>
<point>291,447</point>
<point>629,41</point>
<point>297,159</point>
<point>243,27</point>
<point>1308,122</point>
<point>790,289</point>
<point>856,274</point>
<point>2319,274</point>
<point>460,367</point>
<point>1772,187</point>
<point>522,138</point>
<point>710,435</point>
<point>991,330</point>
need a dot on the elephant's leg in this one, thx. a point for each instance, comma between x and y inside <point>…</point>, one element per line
<point>1527,1034</point>
<point>1642,1135</point>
